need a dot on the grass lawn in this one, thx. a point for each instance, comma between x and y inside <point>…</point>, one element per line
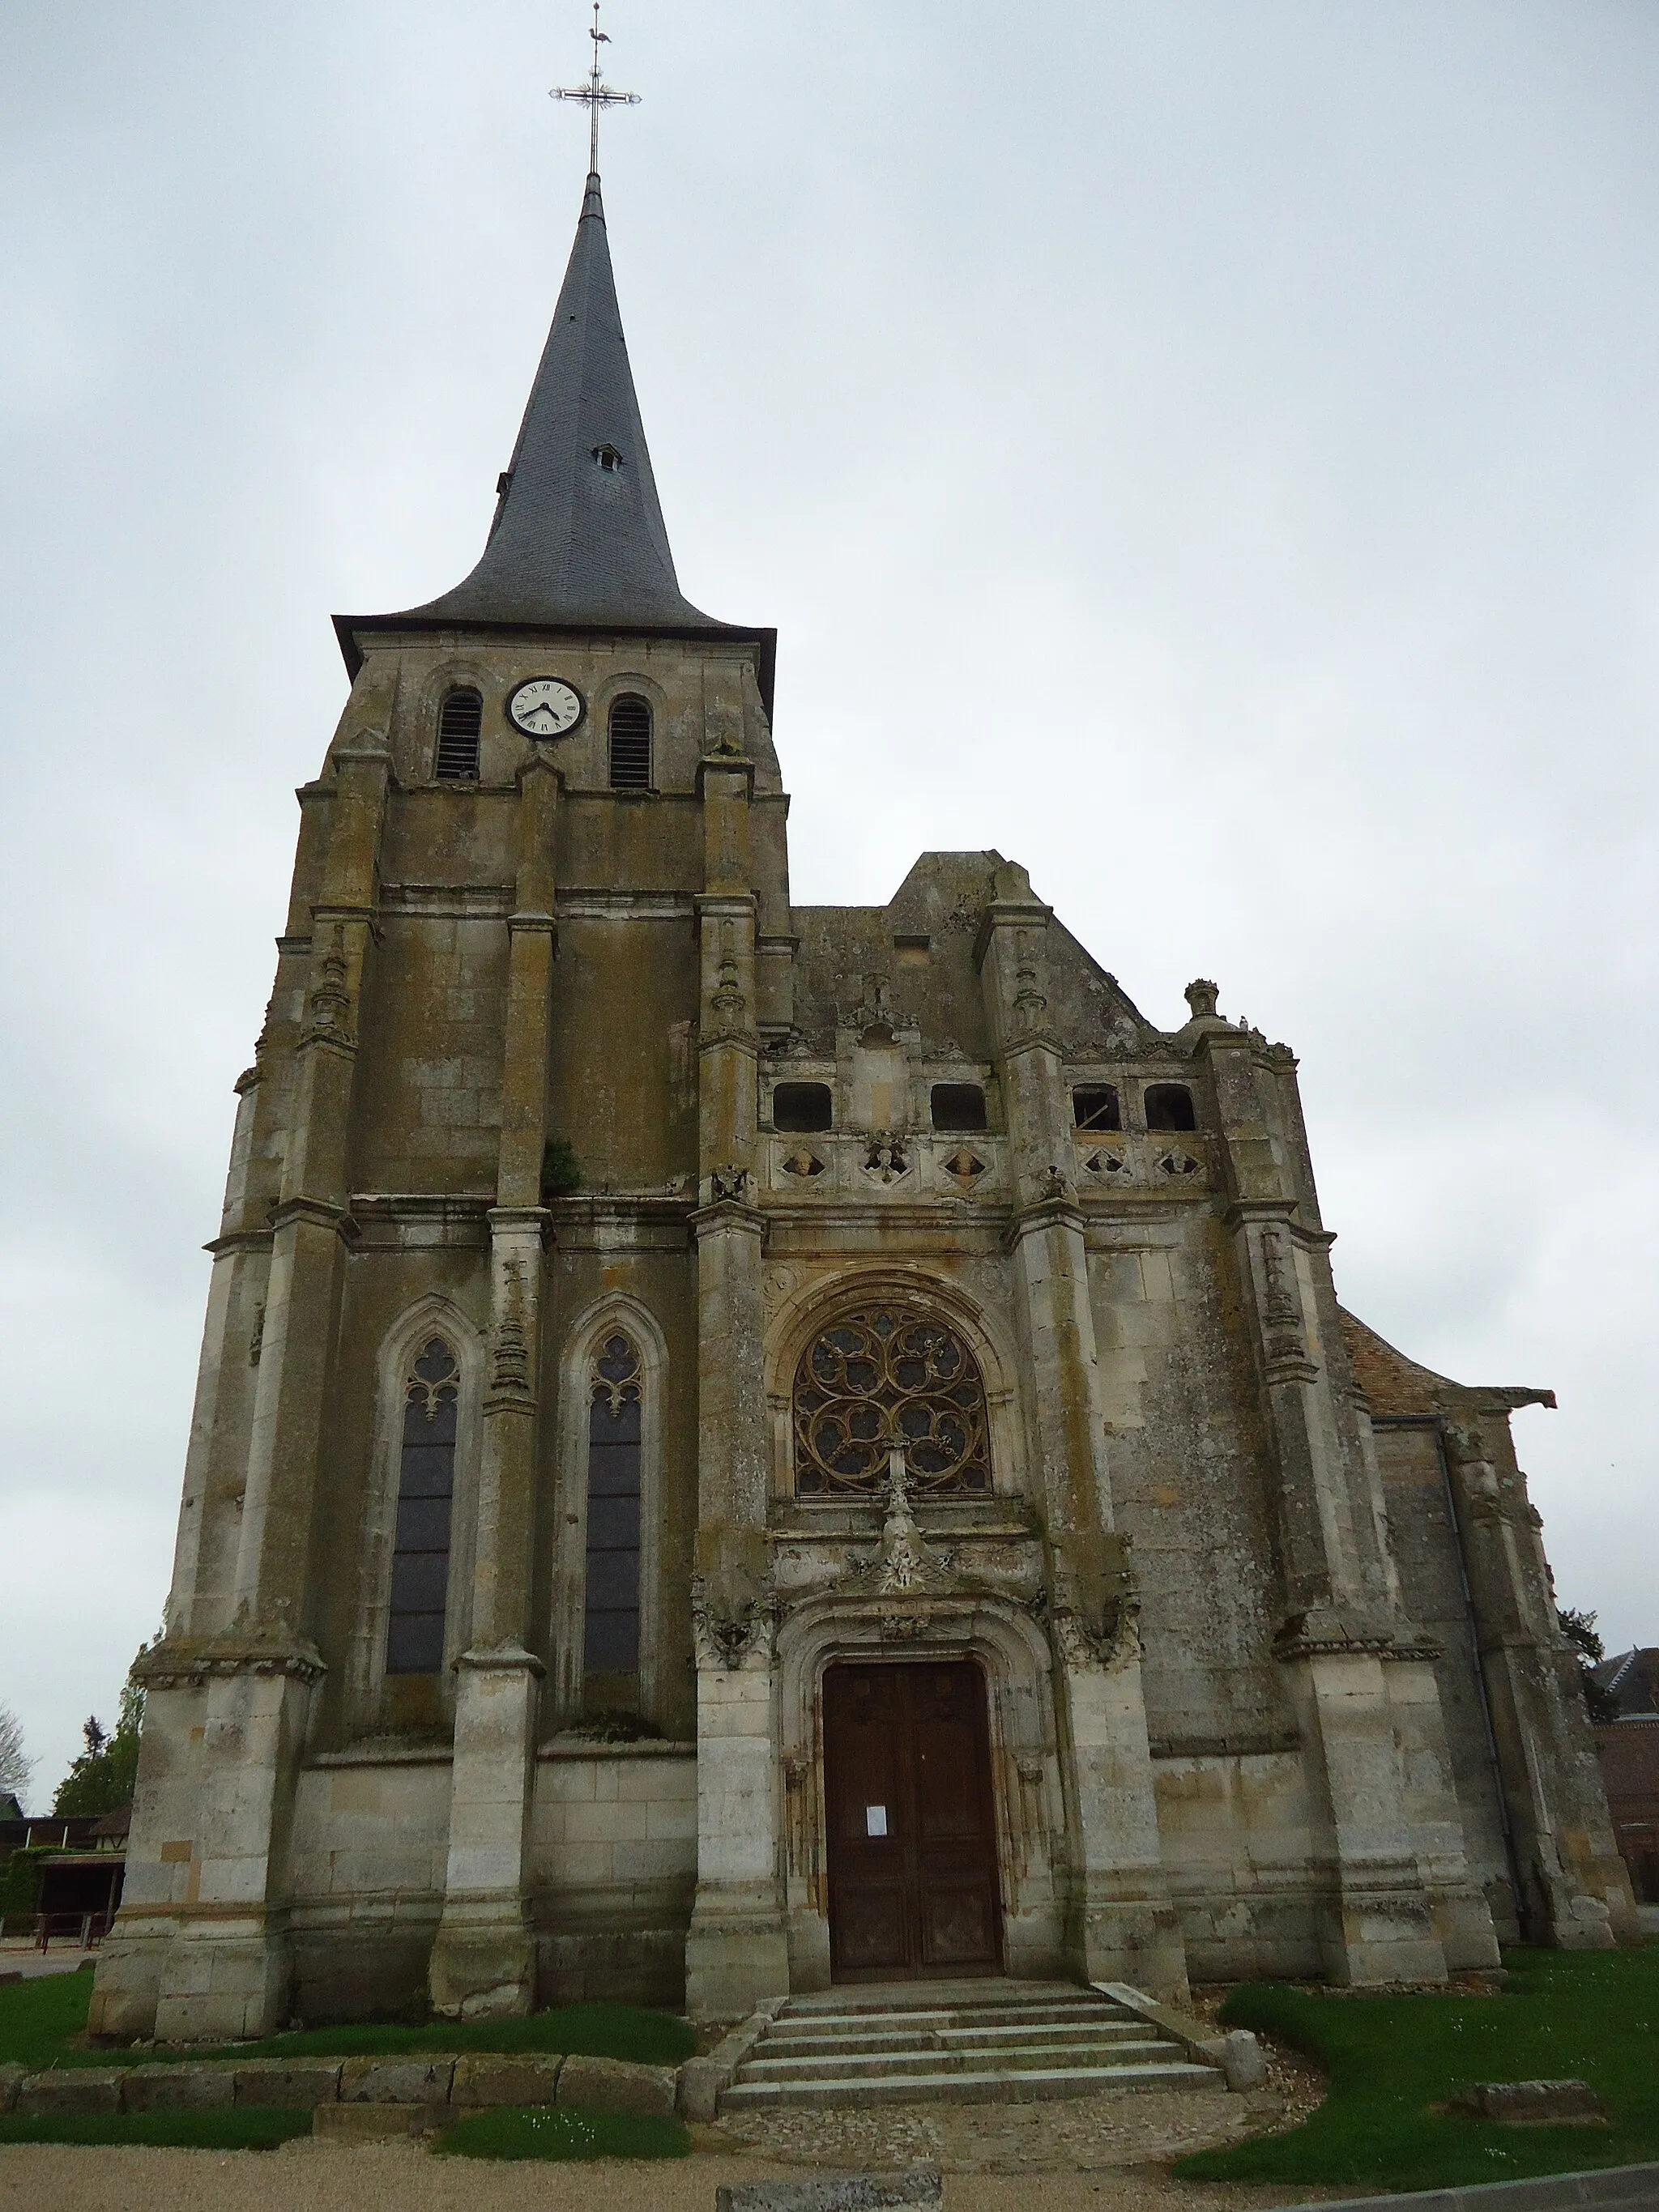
<point>228,2127</point>
<point>43,2021</point>
<point>1589,2015</point>
<point>562,2131</point>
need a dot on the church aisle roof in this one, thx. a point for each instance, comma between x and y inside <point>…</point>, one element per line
<point>578,539</point>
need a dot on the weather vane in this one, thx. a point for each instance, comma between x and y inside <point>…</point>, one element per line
<point>595,94</point>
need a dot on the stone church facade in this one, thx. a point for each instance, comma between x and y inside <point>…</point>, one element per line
<point>740,1445</point>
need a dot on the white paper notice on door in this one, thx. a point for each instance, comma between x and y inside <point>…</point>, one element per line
<point>875,1820</point>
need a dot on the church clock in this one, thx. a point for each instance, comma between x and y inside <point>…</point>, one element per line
<point>546,707</point>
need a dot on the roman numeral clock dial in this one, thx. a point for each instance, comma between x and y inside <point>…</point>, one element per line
<point>546,707</point>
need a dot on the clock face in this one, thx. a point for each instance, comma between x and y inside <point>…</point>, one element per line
<point>546,707</point>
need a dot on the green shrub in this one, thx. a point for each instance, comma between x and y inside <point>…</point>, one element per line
<point>562,2131</point>
<point>20,1882</point>
<point>42,2022</point>
<point>220,2127</point>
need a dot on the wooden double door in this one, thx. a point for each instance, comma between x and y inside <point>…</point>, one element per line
<point>912,1856</point>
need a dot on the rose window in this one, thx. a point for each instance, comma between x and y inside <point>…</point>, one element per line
<point>883,1377</point>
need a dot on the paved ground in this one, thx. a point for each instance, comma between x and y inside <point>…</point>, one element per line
<point>307,2177</point>
<point>1094,2155</point>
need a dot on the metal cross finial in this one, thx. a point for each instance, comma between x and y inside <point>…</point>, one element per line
<point>595,94</point>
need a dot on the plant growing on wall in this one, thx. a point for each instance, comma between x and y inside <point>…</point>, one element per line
<point>561,1172</point>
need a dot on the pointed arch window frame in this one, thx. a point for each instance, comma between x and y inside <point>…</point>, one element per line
<point>986,1331</point>
<point>566,1632</point>
<point>400,1347</point>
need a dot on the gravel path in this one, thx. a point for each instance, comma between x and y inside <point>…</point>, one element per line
<point>310,2177</point>
<point>1103,2154</point>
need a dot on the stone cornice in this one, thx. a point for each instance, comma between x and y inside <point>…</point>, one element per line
<point>1324,1631</point>
<point>316,1212</point>
<point>241,1240</point>
<point>727,1213</point>
<point>528,1220</point>
<point>725,765</point>
<point>500,1659</point>
<point>1047,1214</point>
<point>179,1661</point>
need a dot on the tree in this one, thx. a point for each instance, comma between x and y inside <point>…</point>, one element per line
<point>15,1764</point>
<point>1580,1629</point>
<point>106,1772</point>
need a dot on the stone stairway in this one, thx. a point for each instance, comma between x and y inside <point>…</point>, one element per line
<point>975,2042</point>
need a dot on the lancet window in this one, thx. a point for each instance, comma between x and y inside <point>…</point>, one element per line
<point>426,1489</point>
<point>610,1641</point>
<point>884,1377</point>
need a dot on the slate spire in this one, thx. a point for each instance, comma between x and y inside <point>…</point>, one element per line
<point>578,537</point>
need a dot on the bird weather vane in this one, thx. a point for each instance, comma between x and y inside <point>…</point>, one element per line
<point>595,94</point>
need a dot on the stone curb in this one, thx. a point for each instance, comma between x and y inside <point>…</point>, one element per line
<point>436,2084</point>
<point>1235,2053</point>
<point>849,2192</point>
<point>704,2080</point>
<point>1606,2189</point>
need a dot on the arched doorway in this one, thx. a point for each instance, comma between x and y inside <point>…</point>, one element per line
<point>911,1858</point>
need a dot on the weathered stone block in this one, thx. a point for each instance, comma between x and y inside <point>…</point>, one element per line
<point>369,2123</point>
<point>72,2089</point>
<point>616,2085</point>
<point>178,2089</point>
<point>487,2079</point>
<point>1527,2102</point>
<point>849,2192</point>
<point>702,2079</point>
<point>1242,2060</point>
<point>701,2082</point>
<point>396,2081</point>
<point>11,2081</point>
<point>283,2082</point>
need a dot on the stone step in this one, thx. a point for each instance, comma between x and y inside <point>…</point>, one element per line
<point>787,2043</point>
<point>891,2021</point>
<point>911,2064</point>
<point>1014,2087</point>
<point>939,1996</point>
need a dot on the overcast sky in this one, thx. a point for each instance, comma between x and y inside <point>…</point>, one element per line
<point>1204,448</point>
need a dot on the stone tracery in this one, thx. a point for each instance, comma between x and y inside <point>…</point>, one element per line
<point>879,1378</point>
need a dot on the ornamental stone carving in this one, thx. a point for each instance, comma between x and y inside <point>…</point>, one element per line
<point>885,1378</point>
<point>728,1633</point>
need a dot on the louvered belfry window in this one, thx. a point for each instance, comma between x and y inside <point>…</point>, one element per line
<point>426,1487</point>
<point>460,724</point>
<point>631,742</point>
<point>611,1642</point>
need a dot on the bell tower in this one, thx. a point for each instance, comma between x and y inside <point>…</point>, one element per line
<point>535,882</point>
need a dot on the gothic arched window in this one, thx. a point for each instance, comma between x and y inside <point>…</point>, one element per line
<point>425,1488</point>
<point>884,1377</point>
<point>631,742</point>
<point>460,726</point>
<point>610,1635</point>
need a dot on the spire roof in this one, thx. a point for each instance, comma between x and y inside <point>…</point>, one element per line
<point>578,539</point>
